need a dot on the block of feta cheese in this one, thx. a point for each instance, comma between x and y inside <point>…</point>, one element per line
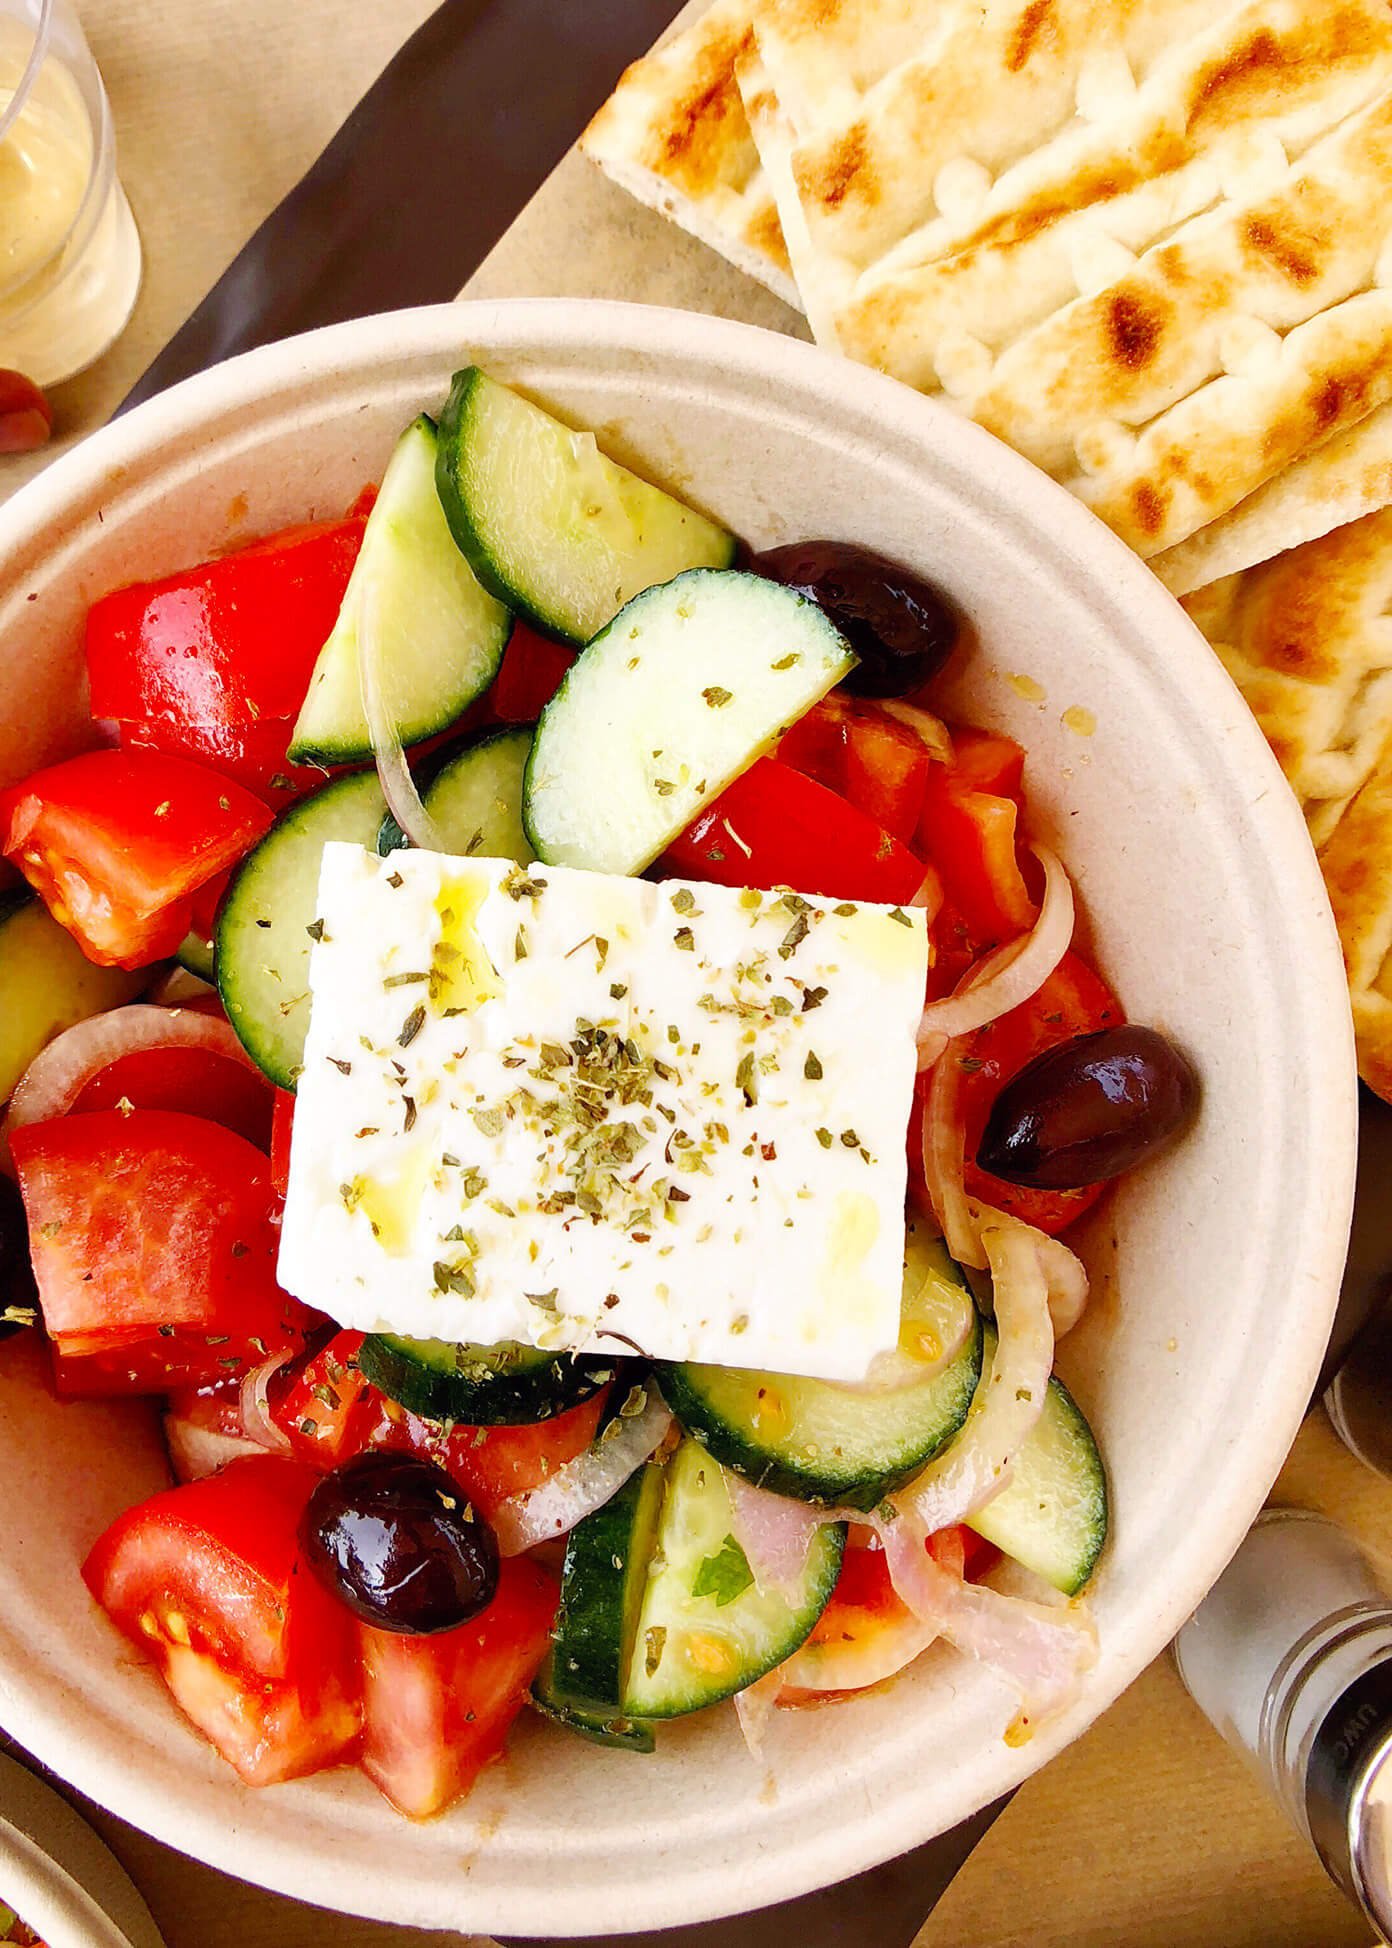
<point>588,1112</point>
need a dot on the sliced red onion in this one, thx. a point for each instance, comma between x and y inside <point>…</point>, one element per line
<point>754,1708</point>
<point>944,1161</point>
<point>59,1073</point>
<point>1008,1402</point>
<point>1017,971</point>
<point>774,1532</point>
<point>256,1408</point>
<point>886,1374</point>
<point>398,786</point>
<point>932,731</point>
<point>196,1451</point>
<point>1042,1649</point>
<point>586,1483</point>
<point>857,1666</point>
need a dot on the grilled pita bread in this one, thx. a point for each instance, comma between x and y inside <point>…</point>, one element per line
<point>1307,637</point>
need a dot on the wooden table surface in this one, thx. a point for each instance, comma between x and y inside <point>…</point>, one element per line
<point>1148,1832</point>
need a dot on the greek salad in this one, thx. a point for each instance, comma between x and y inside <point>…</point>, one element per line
<point>569,1081</point>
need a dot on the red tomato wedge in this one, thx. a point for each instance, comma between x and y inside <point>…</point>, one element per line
<point>282,1126</point>
<point>531,673</point>
<point>194,1080</point>
<point>154,1250</point>
<point>229,643</point>
<point>116,841</point>
<point>970,836</point>
<point>437,1709</point>
<point>493,1463</point>
<point>208,1581</point>
<point>777,827</point>
<point>1073,1001</point>
<point>866,756</point>
<point>254,756</point>
<point>988,761</point>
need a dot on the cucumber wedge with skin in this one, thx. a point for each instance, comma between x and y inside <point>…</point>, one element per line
<point>1052,1515</point>
<point>439,635</point>
<point>474,795</point>
<point>602,1583</point>
<point>822,1441</point>
<point>561,534</point>
<point>262,942</point>
<point>705,1629</point>
<point>507,1385</point>
<point>596,1726</point>
<point>47,984</point>
<point>682,691</point>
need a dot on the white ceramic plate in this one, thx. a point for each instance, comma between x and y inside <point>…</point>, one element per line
<point>1217,1271</point>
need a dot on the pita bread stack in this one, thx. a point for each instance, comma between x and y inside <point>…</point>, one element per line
<point>1149,244</point>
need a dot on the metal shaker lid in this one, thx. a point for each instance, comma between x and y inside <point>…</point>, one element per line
<point>1348,1794</point>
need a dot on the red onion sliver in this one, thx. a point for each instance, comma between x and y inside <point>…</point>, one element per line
<point>256,1409</point>
<point>932,731</point>
<point>774,1532</point>
<point>196,1451</point>
<point>1008,1403</point>
<point>1000,984</point>
<point>1042,1649</point>
<point>59,1073</point>
<point>754,1708</point>
<point>394,773</point>
<point>944,1161</point>
<point>586,1483</point>
<point>857,1666</point>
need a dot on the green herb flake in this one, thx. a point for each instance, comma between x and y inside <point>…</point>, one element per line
<point>825,1138</point>
<point>747,1078</point>
<point>716,697</point>
<point>654,1643</point>
<point>394,880</point>
<point>846,910</point>
<point>488,1121</point>
<point>724,1576</point>
<point>685,940</point>
<point>452,1278</point>
<point>412,1026</point>
<point>786,662</point>
<point>663,787</point>
<point>519,945</point>
<point>315,929</point>
<point>684,900</point>
<point>812,998</point>
<point>850,1139</point>
<point>617,990</point>
<point>900,918</point>
<point>635,1403</point>
<point>544,1301</point>
<point>793,938</point>
<point>404,980</point>
<point>812,1068</point>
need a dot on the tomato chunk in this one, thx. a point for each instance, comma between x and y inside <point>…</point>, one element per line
<point>1073,1001</point>
<point>988,761</point>
<point>208,1582</point>
<point>437,1709</point>
<point>866,756</point>
<point>774,826</point>
<point>198,1081</point>
<point>531,673</point>
<point>970,836</point>
<point>116,841</point>
<point>153,1248</point>
<point>230,642</point>
<point>254,756</point>
<point>282,1125</point>
<point>492,1463</point>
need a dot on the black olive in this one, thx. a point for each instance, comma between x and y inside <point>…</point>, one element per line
<point>1089,1109</point>
<point>396,1539</point>
<point>900,627</point>
<point>18,1295</point>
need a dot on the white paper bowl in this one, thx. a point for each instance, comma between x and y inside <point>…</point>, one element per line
<point>59,1877</point>
<point>1217,1271</point>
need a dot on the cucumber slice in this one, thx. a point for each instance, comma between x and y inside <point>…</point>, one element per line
<point>196,956</point>
<point>602,1583</point>
<point>475,797</point>
<point>47,984</point>
<point>821,1441</point>
<point>1052,1517</point>
<point>684,689</point>
<point>507,1385</point>
<point>440,636</point>
<point>262,941</point>
<point>693,1649</point>
<point>560,533</point>
<point>599,1727</point>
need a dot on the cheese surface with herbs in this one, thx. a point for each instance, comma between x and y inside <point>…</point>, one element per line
<point>588,1112</point>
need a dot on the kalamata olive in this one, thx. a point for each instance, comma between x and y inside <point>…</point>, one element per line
<point>26,418</point>
<point>898,625</point>
<point>396,1539</point>
<point>1089,1109</point>
<point>18,1295</point>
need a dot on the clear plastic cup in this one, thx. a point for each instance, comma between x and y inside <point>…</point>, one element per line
<point>69,249</point>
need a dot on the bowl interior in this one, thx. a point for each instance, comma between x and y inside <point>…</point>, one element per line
<point>1216,1271</point>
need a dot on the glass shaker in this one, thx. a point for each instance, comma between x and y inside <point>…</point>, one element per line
<point>1290,1657</point>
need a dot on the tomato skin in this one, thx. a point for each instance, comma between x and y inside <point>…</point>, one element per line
<point>197,1081</point>
<point>208,1581</point>
<point>228,643</point>
<point>282,1127</point>
<point>154,1250</point>
<point>970,836</point>
<point>988,761</point>
<point>1073,1001</point>
<point>254,757</point>
<point>114,842</point>
<point>437,1709</point>
<point>531,673</point>
<point>775,826</point>
<point>493,1463</point>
